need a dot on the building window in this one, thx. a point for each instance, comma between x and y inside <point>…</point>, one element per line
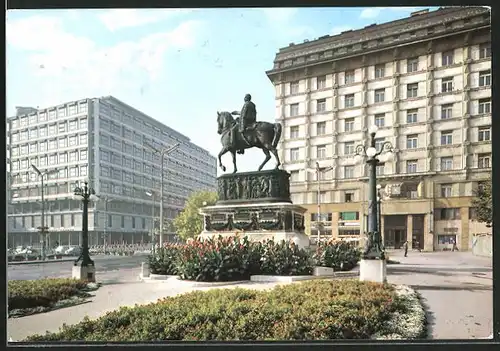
<point>73,125</point>
<point>73,172</point>
<point>43,161</point>
<point>412,116</point>
<point>73,156</point>
<point>294,110</point>
<point>321,151</point>
<point>447,85</point>
<point>447,137</point>
<point>83,108</point>
<point>83,123</point>
<point>83,139</point>
<point>484,51</point>
<point>348,196</point>
<point>446,111</point>
<point>485,78</point>
<point>484,134</point>
<point>52,144</point>
<point>447,58</point>
<point>447,213</point>
<point>52,130</point>
<point>83,171</point>
<point>446,191</point>
<point>63,158</point>
<point>294,132</point>
<point>294,154</point>
<point>43,131</point>
<point>484,106</point>
<point>349,77</point>
<point>83,155</point>
<point>33,133</point>
<point>380,120</point>
<point>294,87</point>
<point>62,127</point>
<point>411,166</point>
<point>412,65</point>
<point>412,141</point>
<point>412,90</point>
<point>379,71</point>
<point>321,105</point>
<point>123,221</point>
<point>63,142</point>
<point>380,169</point>
<point>349,216</point>
<point>349,148</point>
<point>294,176</point>
<point>378,143</point>
<point>349,100</point>
<point>446,163</point>
<point>484,161</point>
<point>348,124</point>
<point>321,128</point>
<point>348,172</point>
<point>379,95</point>
<point>321,82</point>
<point>72,110</point>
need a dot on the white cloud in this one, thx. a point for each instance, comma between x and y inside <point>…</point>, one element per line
<point>281,21</point>
<point>63,61</point>
<point>279,14</point>
<point>339,29</point>
<point>125,18</point>
<point>370,12</point>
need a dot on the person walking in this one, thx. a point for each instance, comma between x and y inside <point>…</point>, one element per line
<point>405,247</point>
<point>454,247</point>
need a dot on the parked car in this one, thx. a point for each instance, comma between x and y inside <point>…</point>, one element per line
<point>61,249</point>
<point>73,251</point>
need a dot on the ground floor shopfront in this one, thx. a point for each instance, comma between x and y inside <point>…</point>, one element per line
<point>426,225</point>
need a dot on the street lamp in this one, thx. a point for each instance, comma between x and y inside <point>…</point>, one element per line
<point>318,170</point>
<point>152,195</point>
<point>86,270</point>
<point>373,248</point>
<point>106,200</point>
<point>43,228</point>
<point>163,152</point>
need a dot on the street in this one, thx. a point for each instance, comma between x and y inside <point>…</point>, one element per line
<point>107,268</point>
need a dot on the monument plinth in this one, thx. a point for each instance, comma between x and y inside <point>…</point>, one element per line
<point>258,205</point>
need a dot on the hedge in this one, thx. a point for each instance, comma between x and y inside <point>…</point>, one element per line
<point>313,310</point>
<point>337,254</point>
<point>25,294</point>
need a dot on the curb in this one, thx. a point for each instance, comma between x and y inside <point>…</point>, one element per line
<point>19,263</point>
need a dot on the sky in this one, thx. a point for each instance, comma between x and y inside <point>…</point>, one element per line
<point>180,66</point>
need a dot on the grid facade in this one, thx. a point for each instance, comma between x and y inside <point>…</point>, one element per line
<point>425,81</point>
<point>101,140</point>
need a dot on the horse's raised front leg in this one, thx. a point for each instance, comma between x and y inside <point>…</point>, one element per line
<point>268,157</point>
<point>221,153</point>
<point>233,153</point>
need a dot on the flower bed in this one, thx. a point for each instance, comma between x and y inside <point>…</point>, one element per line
<point>337,254</point>
<point>43,293</point>
<point>347,309</point>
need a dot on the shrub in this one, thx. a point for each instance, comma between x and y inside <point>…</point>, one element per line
<point>23,294</point>
<point>218,259</point>
<point>340,255</point>
<point>284,258</point>
<point>164,260</point>
<point>313,310</point>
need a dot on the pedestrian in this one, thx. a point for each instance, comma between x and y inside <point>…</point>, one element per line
<point>454,247</point>
<point>417,244</point>
<point>405,247</point>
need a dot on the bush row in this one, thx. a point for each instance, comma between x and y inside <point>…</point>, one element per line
<point>236,258</point>
<point>24,294</point>
<point>313,310</point>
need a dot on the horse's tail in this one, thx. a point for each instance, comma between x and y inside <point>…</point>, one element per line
<point>277,134</point>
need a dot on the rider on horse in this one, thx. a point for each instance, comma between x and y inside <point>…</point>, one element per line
<point>248,117</point>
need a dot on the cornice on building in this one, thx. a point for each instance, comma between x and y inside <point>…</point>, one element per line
<point>419,27</point>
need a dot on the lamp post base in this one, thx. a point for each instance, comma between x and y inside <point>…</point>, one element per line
<point>373,271</point>
<point>81,272</point>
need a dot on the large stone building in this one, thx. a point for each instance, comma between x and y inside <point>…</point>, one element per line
<point>425,81</point>
<point>102,140</point>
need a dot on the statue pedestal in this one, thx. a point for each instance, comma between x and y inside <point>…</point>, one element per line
<point>259,222</point>
<point>373,271</point>
<point>84,273</point>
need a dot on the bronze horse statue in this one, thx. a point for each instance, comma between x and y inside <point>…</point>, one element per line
<point>263,135</point>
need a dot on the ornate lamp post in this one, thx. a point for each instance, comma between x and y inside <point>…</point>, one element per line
<point>373,248</point>
<point>163,152</point>
<point>86,270</point>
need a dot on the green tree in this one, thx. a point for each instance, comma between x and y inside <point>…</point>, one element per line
<point>482,203</point>
<point>189,223</point>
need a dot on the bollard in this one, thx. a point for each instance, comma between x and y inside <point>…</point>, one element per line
<point>144,270</point>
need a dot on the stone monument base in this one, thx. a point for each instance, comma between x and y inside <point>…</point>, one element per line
<point>373,271</point>
<point>84,273</point>
<point>258,221</point>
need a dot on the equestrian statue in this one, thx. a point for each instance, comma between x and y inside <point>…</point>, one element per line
<point>245,132</point>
